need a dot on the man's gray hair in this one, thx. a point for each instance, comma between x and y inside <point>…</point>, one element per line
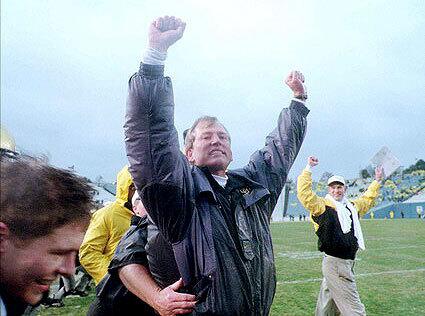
<point>190,133</point>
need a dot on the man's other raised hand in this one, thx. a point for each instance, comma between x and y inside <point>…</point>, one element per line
<point>312,161</point>
<point>164,32</point>
<point>295,81</point>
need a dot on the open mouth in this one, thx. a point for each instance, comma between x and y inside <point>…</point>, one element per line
<point>217,151</point>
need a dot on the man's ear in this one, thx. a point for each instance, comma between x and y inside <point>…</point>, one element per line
<point>4,235</point>
<point>189,155</point>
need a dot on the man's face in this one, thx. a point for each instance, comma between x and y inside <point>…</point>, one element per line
<point>336,190</point>
<point>211,148</point>
<point>138,208</point>
<point>29,267</point>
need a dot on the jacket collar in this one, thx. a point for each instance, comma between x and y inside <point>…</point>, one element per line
<point>201,183</point>
<point>251,190</point>
<point>254,192</point>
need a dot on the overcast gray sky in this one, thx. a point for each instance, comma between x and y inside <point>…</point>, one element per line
<point>65,67</point>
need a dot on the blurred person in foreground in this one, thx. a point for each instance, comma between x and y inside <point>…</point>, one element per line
<point>217,220</point>
<point>336,222</point>
<point>44,214</point>
<point>106,228</point>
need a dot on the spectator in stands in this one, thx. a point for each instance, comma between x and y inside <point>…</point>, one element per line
<point>44,214</point>
<point>336,221</point>
<point>419,211</point>
<point>106,228</point>
<point>129,283</point>
<point>217,219</point>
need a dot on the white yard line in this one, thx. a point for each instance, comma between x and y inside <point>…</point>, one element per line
<point>395,247</point>
<point>357,276</point>
<point>317,254</point>
<point>300,254</point>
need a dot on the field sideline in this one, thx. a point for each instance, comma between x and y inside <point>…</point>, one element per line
<point>390,273</point>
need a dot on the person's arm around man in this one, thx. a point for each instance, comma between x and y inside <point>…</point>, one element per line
<point>138,280</point>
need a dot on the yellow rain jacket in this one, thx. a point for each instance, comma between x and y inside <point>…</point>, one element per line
<point>106,228</point>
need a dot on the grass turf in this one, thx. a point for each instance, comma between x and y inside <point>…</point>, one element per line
<point>390,273</point>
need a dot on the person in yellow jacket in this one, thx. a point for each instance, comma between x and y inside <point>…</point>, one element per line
<point>106,228</point>
<point>336,222</point>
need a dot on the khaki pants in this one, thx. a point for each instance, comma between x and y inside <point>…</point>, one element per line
<point>338,292</point>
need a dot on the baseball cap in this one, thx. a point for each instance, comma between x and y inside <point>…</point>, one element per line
<point>336,179</point>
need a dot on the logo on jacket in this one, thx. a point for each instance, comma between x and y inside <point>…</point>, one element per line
<point>245,190</point>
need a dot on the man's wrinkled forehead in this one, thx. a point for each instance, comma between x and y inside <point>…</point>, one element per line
<point>206,126</point>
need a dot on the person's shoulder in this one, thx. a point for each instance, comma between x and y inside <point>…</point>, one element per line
<point>329,203</point>
<point>115,215</point>
<point>109,212</point>
<point>104,210</point>
<point>115,209</point>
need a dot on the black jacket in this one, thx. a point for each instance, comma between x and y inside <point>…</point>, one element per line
<point>332,240</point>
<point>230,276</point>
<point>112,297</point>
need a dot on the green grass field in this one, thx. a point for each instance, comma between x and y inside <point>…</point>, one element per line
<point>390,273</point>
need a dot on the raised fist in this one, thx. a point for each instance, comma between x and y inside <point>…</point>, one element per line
<point>313,161</point>
<point>379,173</point>
<point>164,32</point>
<point>295,81</point>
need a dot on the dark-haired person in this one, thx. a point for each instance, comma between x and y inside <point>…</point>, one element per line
<point>336,222</point>
<point>44,214</point>
<point>217,220</point>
